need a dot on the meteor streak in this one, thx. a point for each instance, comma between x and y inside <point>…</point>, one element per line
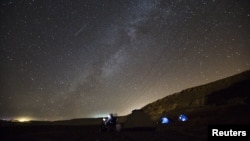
<point>80,29</point>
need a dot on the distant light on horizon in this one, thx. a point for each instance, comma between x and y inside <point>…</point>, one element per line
<point>23,119</point>
<point>99,116</point>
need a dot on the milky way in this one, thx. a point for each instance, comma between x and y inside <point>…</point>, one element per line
<point>87,58</point>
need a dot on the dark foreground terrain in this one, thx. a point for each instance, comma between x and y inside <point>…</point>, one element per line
<point>93,133</point>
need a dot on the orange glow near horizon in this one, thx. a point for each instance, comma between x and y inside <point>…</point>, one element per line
<point>23,119</point>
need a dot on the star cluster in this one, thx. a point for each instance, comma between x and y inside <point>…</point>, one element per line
<point>67,59</point>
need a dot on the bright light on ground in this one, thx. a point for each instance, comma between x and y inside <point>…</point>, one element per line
<point>23,119</point>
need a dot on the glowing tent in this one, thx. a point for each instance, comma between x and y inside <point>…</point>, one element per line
<point>164,120</point>
<point>182,118</point>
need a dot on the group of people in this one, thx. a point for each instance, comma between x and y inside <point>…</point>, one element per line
<point>109,123</point>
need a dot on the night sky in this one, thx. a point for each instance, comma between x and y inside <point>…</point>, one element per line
<point>64,59</point>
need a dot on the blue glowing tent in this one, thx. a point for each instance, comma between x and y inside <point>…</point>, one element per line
<point>183,118</point>
<point>164,120</point>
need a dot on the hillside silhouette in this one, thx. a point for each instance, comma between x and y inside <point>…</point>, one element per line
<point>207,104</point>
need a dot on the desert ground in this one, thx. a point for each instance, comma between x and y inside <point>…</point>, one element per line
<point>93,133</point>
